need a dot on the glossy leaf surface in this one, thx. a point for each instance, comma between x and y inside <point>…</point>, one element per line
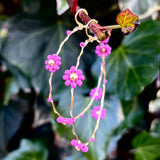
<point>146,147</point>
<point>135,63</point>
<point>28,150</point>
<point>97,149</point>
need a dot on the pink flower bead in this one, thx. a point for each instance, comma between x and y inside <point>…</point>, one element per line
<point>60,119</point>
<point>73,77</point>
<point>80,145</point>
<point>73,120</point>
<point>63,120</point>
<point>53,63</point>
<point>84,148</point>
<point>82,44</point>
<point>68,32</point>
<point>98,94</point>
<point>49,99</point>
<point>74,142</point>
<point>82,115</point>
<point>103,50</point>
<point>96,111</point>
<point>92,139</point>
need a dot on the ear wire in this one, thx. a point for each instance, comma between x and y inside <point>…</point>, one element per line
<point>80,10</point>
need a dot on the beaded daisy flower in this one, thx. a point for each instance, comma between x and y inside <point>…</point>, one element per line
<point>53,63</point>
<point>73,77</point>
<point>96,111</point>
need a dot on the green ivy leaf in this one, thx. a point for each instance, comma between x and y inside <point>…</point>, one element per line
<point>46,9</point>
<point>10,119</point>
<point>29,6</point>
<point>28,150</point>
<point>135,63</point>
<point>28,45</point>
<point>139,7</point>
<point>97,150</point>
<point>62,6</point>
<point>146,147</point>
<point>133,113</point>
<point>11,87</point>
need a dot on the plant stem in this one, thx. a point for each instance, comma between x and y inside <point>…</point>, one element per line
<point>94,27</point>
<point>110,27</point>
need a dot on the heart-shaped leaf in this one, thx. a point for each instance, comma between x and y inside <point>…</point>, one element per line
<point>128,21</point>
<point>10,119</point>
<point>135,63</point>
<point>146,147</point>
<point>28,150</point>
<point>27,47</point>
<point>97,149</point>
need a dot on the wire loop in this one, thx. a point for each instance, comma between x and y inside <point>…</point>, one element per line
<point>87,26</point>
<point>84,10</point>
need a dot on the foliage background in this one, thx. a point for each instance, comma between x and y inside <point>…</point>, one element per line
<point>30,30</point>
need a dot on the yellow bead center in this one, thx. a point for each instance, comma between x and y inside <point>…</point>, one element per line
<point>96,93</point>
<point>51,62</point>
<point>103,50</point>
<point>73,76</point>
<point>98,112</point>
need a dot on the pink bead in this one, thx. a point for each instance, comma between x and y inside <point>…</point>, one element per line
<point>74,142</point>
<point>73,119</point>
<point>84,149</point>
<point>49,56</point>
<point>102,63</point>
<point>81,77</point>
<point>98,94</point>
<point>59,119</point>
<point>49,99</point>
<point>68,32</point>
<point>67,83</point>
<point>80,145</point>
<point>92,139</point>
<point>65,77</point>
<point>79,83</point>
<point>66,120</point>
<point>79,71</point>
<point>70,122</point>
<point>82,44</point>
<point>82,115</point>
<point>56,67</point>
<point>58,62</point>
<point>47,67</point>
<point>73,85</point>
<point>67,72</point>
<point>73,69</point>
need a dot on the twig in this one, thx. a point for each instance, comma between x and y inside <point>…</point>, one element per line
<point>94,27</point>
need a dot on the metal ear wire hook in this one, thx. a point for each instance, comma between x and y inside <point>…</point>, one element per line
<point>80,24</point>
<point>86,29</point>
